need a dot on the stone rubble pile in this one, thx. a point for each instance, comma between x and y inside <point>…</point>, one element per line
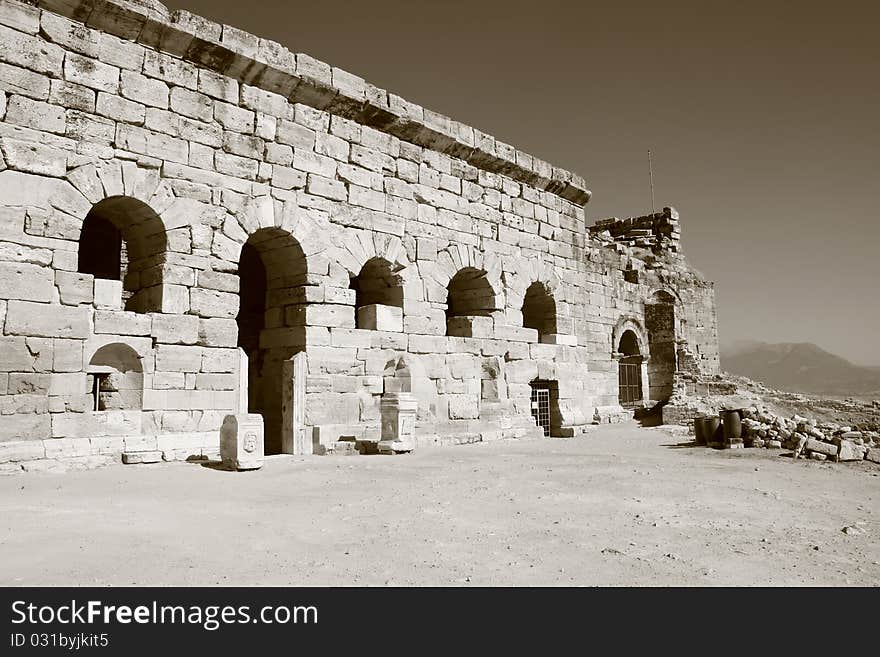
<point>658,231</point>
<point>808,438</point>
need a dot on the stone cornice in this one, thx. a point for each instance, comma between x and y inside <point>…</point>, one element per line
<point>303,79</point>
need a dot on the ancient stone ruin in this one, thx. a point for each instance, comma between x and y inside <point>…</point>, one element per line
<point>196,222</point>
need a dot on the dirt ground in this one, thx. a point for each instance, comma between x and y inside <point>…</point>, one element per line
<point>622,505</point>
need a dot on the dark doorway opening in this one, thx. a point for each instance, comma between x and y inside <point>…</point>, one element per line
<point>545,406</point>
<point>629,370</point>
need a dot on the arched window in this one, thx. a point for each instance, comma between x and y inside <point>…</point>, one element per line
<point>539,310</point>
<point>470,301</point>
<point>116,378</point>
<point>123,239</point>
<point>378,296</point>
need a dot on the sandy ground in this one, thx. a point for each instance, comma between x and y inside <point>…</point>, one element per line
<point>621,506</point>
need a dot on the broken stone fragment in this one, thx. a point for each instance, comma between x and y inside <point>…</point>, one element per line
<point>817,446</point>
<point>850,451</point>
<point>130,458</point>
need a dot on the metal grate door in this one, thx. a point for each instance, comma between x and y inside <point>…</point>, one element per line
<point>541,407</point>
<point>630,380</point>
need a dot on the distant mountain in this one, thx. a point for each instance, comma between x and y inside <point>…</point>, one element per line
<point>799,367</point>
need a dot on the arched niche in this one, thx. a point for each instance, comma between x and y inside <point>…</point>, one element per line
<point>124,239</point>
<point>116,378</point>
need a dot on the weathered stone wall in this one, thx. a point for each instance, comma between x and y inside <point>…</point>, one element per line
<point>193,142</point>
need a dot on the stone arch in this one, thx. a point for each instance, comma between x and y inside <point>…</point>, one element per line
<point>628,345</point>
<point>358,247</point>
<point>353,249</point>
<point>263,213</point>
<point>450,260</point>
<point>664,295</point>
<point>124,239</point>
<point>101,186</point>
<point>635,326</point>
<point>116,378</point>
<point>275,291</point>
<point>520,277</point>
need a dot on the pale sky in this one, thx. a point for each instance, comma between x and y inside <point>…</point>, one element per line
<point>762,118</point>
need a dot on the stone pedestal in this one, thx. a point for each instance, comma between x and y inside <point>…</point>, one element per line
<point>398,411</point>
<point>241,441</point>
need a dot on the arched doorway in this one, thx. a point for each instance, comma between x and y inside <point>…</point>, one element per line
<point>539,310</point>
<point>124,239</point>
<point>629,370</point>
<point>272,272</point>
<point>660,326</point>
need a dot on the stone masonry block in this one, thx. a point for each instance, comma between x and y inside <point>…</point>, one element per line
<point>68,355</point>
<point>91,73</point>
<point>342,337</point>
<point>144,90</point>
<point>559,338</point>
<point>320,314</point>
<point>470,327</point>
<point>379,317</point>
<point>19,280</point>
<point>515,333</point>
<point>120,322</point>
<point>103,423</point>
<point>21,450</point>
<point>521,371</point>
<point>74,288</point>
<point>463,407</point>
<point>67,447</point>
<point>178,358</point>
<point>820,447</point>
<point>212,303</point>
<point>45,320</point>
<point>218,332</point>
<point>34,158</point>
<point>428,344</point>
<point>30,52</point>
<point>175,329</point>
<point>108,294</point>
